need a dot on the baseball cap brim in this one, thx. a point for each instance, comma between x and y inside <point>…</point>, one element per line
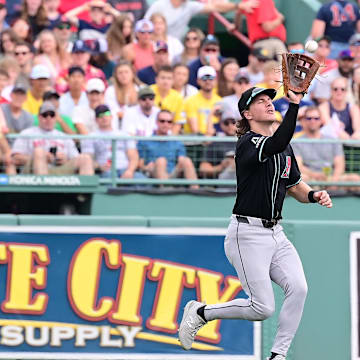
<point>249,95</point>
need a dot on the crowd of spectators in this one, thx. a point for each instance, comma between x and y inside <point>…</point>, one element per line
<point>110,68</point>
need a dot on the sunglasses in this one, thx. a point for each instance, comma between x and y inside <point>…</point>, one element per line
<point>106,113</point>
<point>147,97</point>
<point>214,50</point>
<point>193,38</point>
<point>48,114</point>
<point>207,77</point>
<point>338,88</point>
<point>145,31</point>
<point>309,118</point>
<point>96,8</point>
<point>227,122</point>
<point>23,53</point>
<point>64,26</point>
<point>162,121</point>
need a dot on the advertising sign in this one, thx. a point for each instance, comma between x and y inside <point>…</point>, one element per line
<point>116,293</point>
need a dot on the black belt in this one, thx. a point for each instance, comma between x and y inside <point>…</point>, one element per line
<point>266,223</point>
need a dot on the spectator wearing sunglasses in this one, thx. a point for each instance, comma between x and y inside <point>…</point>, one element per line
<point>165,159</point>
<point>140,120</point>
<point>218,161</point>
<point>140,52</point>
<point>256,60</point>
<point>340,118</point>
<point>24,55</point>
<point>127,157</point>
<point>49,156</point>
<point>320,161</point>
<point>209,55</point>
<point>97,27</point>
<point>62,31</point>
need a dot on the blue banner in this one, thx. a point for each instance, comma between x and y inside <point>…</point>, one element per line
<point>81,295</point>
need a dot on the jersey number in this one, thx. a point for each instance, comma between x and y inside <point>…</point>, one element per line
<point>342,15</point>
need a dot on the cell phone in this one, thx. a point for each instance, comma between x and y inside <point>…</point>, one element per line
<point>53,150</point>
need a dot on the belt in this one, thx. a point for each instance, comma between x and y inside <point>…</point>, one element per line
<point>266,223</point>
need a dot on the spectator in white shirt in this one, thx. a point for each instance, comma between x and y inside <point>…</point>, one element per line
<point>140,120</point>
<point>127,157</point>
<point>75,96</point>
<point>49,156</point>
<point>83,116</point>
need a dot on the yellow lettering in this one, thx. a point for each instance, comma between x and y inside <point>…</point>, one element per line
<point>24,276</point>
<point>130,289</point>
<point>172,278</point>
<point>84,277</point>
<point>209,289</point>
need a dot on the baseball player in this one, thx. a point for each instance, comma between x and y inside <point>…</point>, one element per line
<point>255,243</point>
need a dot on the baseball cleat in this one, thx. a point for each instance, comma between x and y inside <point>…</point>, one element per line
<point>190,324</point>
<point>277,357</point>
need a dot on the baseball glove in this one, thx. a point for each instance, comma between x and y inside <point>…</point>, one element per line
<point>298,70</point>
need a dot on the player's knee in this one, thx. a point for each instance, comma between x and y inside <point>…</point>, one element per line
<point>264,311</point>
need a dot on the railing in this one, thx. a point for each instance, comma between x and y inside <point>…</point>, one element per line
<point>353,146</point>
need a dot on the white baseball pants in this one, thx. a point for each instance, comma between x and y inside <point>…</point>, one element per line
<point>261,255</point>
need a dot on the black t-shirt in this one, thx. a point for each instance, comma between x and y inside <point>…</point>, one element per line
<point>262,181</point>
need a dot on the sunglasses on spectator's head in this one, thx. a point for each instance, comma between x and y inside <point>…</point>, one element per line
<point>48,114</point>
<point>64,26</point>
<point>211,50</point>
<point>309,118</point>
<point>147,97</point>
<point>106,113</point>
<point>227,122</point>
<point>338,88</point>
<point>162,121</point>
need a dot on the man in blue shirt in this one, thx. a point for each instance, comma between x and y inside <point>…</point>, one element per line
<point>165,159</point>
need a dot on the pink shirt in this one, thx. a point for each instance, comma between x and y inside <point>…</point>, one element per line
<point>143,57</point>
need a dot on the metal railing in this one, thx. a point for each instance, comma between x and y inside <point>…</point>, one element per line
<point>188,141</point>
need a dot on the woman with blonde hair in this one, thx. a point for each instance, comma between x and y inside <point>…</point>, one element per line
<point>119,34</point>
<point>124,91</point>
<point>229,69</point>
<point>51,54</point>
<point>175,47</point>
<point>192,44</point>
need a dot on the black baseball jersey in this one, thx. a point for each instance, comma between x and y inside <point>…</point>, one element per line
<point>262,181</point>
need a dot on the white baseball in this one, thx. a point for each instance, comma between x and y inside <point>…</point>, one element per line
<point>311,46</point>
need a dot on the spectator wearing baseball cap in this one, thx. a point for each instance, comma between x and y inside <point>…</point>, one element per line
<point>127,157</point>
<point>97,27</point>
<point>199,107</point>
<point>240,85</point>
<point>39,82</point>
<point>218,160</point>
<point>63,122</point>
<point>83,116</point>
<point>209,55</point>
<point>354,43</point>
<point>256,60</point>
<point>80,57</point>
<point>76,96</point>
<point>322,86</point>
<point>161,58</point>
<point>16,118</point>
<point>140,120</point>
<point>140,53</point>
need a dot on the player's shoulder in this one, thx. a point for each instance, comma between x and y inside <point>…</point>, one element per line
<point>251,137</point>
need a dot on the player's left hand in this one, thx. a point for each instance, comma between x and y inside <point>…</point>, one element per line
<point>294,97</point>
<point>323,198</point>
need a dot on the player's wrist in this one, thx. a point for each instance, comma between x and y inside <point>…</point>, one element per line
<point>311,196</point>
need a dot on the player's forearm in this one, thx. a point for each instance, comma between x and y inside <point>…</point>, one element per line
<point>282,136</point>
<point>300,192</point>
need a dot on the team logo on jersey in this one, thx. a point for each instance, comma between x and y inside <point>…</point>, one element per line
<point>286,172</point>
<point>256,140</point>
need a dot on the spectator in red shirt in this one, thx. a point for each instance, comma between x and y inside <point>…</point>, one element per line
<point>80,57</point>
<point>266,29</point>
<point>322,55</point>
